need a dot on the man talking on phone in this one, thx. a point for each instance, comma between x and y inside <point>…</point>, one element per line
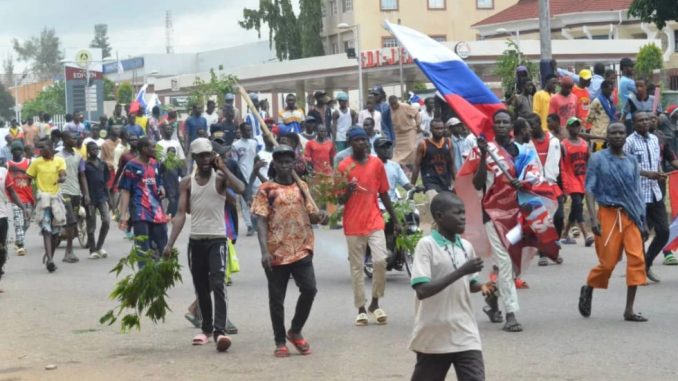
<point>199,194</point>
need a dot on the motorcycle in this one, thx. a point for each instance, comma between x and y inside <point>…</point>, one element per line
<point>399,258</point>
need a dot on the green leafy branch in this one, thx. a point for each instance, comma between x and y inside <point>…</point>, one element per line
<point>403,240</point>
<point>144,291</point>
<point>169,160</point>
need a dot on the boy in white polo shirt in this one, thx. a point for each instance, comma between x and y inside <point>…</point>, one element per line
<point>443,275</point>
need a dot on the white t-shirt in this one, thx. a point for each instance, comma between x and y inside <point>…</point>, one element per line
<point>396,177</point>
<point>426,119</point>
<point>5,209</point>
<point>245,150</point>
<point>211,118</point>
<point>444,322</point>
<point>376,115</point>
<point>165,144</point>
<point>344,122</point>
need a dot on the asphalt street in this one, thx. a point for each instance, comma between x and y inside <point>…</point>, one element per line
<point>52,319</point>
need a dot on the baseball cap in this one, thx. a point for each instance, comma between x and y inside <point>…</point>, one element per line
<point>383,142</point>
<point>342,96</point>
<point>452,122</point>
<point>201,145</point>
<point>585,74</point>
<point>521,69</point>
<point>573,120</point>
<point>310,119</point>
<point>253,96</point>
<point>283,149</point>
<point>566,80</point>
<point>355,133</point>
<point>377,89</point>
<point>625,62</point>
<point>229,96</point>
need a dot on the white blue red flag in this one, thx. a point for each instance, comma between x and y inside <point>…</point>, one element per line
<point>468,96</point>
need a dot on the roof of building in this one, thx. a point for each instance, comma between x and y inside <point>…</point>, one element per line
<point>529,9</point>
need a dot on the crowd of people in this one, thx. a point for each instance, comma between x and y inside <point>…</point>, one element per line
<point>595,142</point>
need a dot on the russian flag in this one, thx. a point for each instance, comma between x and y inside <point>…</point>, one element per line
<point>468,96</point>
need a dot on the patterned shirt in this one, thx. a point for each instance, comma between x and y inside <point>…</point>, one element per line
<point>290,236</point>
<point>142,182</point>
<point>645,149</point>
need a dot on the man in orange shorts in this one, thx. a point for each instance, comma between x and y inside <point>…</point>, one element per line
<point>613,181</point>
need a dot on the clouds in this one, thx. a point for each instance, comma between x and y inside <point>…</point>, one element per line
<point>134,27</point>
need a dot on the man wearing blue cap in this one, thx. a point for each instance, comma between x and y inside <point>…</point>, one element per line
<point>383,107</point>
<point>363,222</point>
<point>342,119</point>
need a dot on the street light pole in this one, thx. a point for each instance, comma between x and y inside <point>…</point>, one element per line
<point>16,99</point>
<point>545,67</point>
<point>360,67</point>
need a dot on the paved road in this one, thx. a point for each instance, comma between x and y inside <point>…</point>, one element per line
<point>53,319</point>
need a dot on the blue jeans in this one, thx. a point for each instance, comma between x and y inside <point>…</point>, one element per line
<point>157,237</point>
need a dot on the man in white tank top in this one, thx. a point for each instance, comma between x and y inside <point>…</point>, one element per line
<point>342,119</point>
<point>198,195</point>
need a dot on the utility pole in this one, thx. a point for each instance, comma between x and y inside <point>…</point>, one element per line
<point>545,67</point>
<point>400,63</point>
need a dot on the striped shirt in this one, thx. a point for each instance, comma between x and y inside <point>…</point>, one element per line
<point>646,151</point>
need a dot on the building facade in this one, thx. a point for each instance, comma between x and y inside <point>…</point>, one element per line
<point>444,20</point>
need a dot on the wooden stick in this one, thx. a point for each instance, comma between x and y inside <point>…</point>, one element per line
<point>269,135</point>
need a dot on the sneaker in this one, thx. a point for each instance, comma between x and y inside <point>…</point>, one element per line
<point>94,255</point>
<point>250,231</point>
<point>69,257</point>
<point>103,253</point>
<point>575,232</point>
<point>543,261</point>
<point>670,260</point>
<point>21,252</point>
<point>652,276</point>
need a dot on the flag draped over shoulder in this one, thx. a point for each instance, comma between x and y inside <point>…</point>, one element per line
<point>468,96</point>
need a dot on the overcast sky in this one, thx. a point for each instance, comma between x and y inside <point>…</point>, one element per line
<point>134,27</point>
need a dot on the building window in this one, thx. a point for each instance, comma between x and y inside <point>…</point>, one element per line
<point>347,5</point>
<point>323,10</point>
<point>673,82</point>
<point>485,4</point>
<point>389,5</point>
<point>675,39</point>
<point>439,38</point>
<point>388,42</point>
<point>335,48</point>
<point>333,7</point>
<point>437,4</point>
<point>348,45</point>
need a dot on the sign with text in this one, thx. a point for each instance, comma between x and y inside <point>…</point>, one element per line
<point>383,57</point>
<point>84,95</point>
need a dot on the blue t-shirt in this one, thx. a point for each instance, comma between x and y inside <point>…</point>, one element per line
<point>135,130</point>
<point>193,124</point>
<point>626,87</point>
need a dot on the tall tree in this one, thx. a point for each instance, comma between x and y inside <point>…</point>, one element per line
<point>42,52</point>
<point>310,21</point>
<point>6,103</point>
<point>649,58</point>
<point>8,66</point>
<point>101,40</point>
<point>283,26</point>
<point>658,12</point>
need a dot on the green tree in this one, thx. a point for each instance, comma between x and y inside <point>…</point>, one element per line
<point>293,37</point>
<point>42,52</point>
<point>101,40</point>
<point>6,103</point>
<point>310,26</point>
<point>109,90</point>
<point>51,100</point>
<point>658,12</point>
<point>216,86</point>
<point>8,65</point>
<point>649,58</point>
<point>507,64</point>
<point>125,93</point>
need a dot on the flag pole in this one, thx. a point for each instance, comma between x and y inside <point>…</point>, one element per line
<point>269,135</point>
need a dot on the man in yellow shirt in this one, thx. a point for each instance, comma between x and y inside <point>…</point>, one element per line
<point>49,172</point>
<point>541,100</point>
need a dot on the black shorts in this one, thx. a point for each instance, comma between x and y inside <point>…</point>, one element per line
<point>72,205</point>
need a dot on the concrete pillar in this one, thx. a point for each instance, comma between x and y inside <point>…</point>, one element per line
<point>275,105</point>
<point>301,94</point>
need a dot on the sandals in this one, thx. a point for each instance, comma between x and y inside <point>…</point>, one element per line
<point>494,315</point>
<point>639,318</point>
<point>223,343</point>
<point>201,339</point>
<point>281,351</point>
<point>361,319</point>
<point>301,344</point>
<point>543,261</point>
<point>521,284</point>
<point>559,260</point>
<point>193,319</point>
<point>585,298</point>
<point>379,315</point>
<point>513,326</point>
<point>568,241</point>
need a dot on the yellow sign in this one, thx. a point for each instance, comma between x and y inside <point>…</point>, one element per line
<point>83,58</point>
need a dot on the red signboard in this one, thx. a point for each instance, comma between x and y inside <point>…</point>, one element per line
<point>73,73</point>
<point>383,57</point>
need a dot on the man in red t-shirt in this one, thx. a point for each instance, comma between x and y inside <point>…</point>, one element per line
<point>363,222</point>
<point>581,91</point>
<point>22,186</point>
<point>564,103</point>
